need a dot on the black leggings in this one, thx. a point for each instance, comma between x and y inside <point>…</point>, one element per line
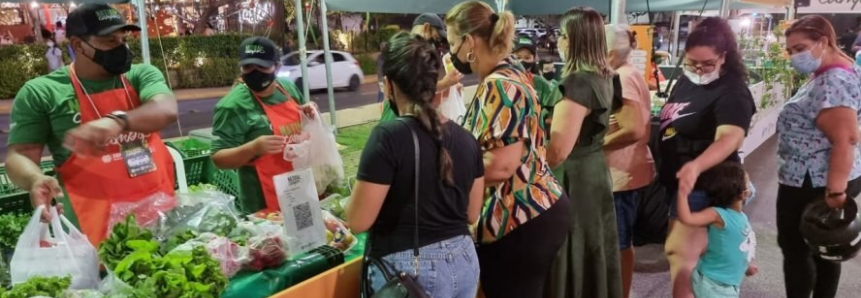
<point>804,273</point>
<point>517,265</point>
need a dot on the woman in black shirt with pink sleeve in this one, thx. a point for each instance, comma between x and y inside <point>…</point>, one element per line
<point>703,123</point>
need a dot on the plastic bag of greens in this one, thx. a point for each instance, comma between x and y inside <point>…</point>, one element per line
<point>325,161</point>
<point>82,294</point>
<point>150,213</point>
<point>202,212</point>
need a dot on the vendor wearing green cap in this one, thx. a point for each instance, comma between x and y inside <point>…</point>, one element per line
<point>100,118</point>
<point>430,27</point>
<point>255,122</point>
<point>548,91</point>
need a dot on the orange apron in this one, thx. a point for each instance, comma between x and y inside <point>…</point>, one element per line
<point>285,120</point>
<point>94,184</point>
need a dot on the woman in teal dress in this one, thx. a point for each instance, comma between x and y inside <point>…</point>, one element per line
<point>588,264</point>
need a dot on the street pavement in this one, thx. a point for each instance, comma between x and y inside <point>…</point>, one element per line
<point>197,114</point>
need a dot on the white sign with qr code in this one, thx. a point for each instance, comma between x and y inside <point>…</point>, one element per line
<point>300,206</point>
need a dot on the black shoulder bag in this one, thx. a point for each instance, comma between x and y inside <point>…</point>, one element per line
<point>402,284</point>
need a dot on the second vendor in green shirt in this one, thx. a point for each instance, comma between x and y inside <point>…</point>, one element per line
<point>254,124</point>
<point>548,91</point>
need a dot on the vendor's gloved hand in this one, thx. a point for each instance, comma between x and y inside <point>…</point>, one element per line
<point>42,192</point>
<point>270,144</point>
<point>89,138</point>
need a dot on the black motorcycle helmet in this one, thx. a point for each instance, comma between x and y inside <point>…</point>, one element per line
<point>832,234</point>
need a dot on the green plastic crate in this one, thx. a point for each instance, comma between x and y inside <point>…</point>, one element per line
<point>190,147</point>
<point>12,198</point>
<point>227,181</point>
<point>196,159</point>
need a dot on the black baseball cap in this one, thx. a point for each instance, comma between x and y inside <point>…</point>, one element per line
<point>523,42</point>
<point>91,19</point>
<point>432,19</point>
<point>258,51</point>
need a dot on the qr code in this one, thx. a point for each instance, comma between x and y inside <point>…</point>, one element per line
<point>303,215</point>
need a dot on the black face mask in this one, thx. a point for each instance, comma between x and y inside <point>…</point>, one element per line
<point>550,76</point>
<point>257,80</point>
<point>115,61</point>
<point>462,67</point>
<point>530,67</point>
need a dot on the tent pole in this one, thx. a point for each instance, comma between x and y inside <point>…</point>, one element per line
<point>328,56</point>
<point>303,57</point>
<point>724,8</point>
<point>144,33</point>
<point>790,15</point>
<point>617,12</point>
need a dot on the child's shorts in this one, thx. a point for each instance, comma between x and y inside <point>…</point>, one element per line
<point>705,287</point>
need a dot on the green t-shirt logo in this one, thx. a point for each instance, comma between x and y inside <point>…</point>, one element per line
<point>254,49</point>
<point>108,14</point>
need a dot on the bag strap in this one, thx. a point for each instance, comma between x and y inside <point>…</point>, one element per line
<point>415,196</point>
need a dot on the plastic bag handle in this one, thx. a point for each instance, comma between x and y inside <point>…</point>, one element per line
<point>56,226</point>
<point>32,232</point>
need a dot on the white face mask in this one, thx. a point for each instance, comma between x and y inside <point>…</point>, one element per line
<point>703,79</point>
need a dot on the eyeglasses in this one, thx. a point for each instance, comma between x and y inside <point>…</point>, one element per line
<point>701,66</point>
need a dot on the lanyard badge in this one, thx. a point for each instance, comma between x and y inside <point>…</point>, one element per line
<point>137,157</point>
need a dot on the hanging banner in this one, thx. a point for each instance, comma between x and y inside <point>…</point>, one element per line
<point>832,6</point>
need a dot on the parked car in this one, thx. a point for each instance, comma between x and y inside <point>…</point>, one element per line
<point>346,72</point>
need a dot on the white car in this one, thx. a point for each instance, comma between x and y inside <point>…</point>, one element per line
<point>346,72</point>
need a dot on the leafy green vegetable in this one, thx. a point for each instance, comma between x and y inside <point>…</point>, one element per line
<point>11,227</point>
<point>178,239</point>
<point>39,286</point>
<point>126,237</point>
<point>201,187</point>
<point>217,221</point>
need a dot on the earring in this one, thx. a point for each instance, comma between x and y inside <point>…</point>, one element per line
<point>470,57</point>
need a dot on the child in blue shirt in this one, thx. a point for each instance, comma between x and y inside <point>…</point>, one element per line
<point>731,242</point>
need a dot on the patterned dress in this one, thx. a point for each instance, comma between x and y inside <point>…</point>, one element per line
<point>803,148</point>
<point>505,111</point>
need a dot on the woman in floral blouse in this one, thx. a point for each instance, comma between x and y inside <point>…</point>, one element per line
<point>525,216</point>
<point>818,134</point>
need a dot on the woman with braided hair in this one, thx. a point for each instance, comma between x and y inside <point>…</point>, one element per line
<point>525,217</point>
<point>383,199</point>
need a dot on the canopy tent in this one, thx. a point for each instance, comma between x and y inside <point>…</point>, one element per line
<point>538,7</point>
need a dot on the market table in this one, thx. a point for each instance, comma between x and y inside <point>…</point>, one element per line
<point>339,282</point>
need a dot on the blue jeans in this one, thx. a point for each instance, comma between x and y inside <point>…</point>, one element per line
<point>447,269</point>
<point>697,200</point>
<point>626,215</point>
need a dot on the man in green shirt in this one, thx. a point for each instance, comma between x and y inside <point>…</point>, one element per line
<point>244,120</point>
<point>430,27</point>
<point>96,106</point>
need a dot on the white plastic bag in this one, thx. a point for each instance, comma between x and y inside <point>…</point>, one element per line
<point>64,254</point>
<point>325,161</point>
<point>452,106</point>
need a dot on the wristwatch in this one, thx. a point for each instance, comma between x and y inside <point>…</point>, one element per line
<point>121,117</point>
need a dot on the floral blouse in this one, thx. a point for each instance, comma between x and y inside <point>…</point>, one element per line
<point>803,148</point>
<point>505,111</point>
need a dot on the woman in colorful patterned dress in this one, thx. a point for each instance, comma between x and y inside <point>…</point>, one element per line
<point>588,265</point>
<point>525,217</point>
<point>817,138</point>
